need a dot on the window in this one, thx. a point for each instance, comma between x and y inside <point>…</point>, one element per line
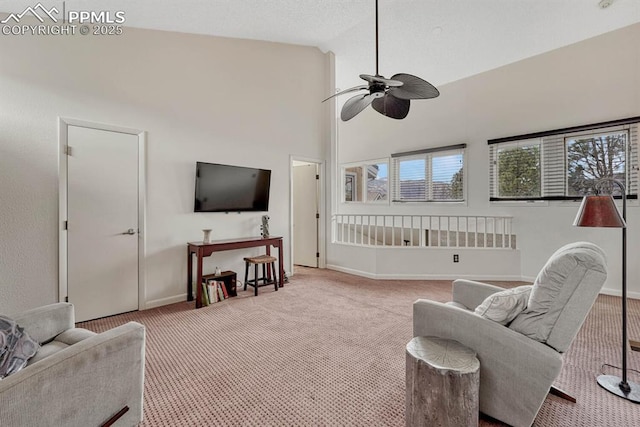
<point>366,182</point>
<point>592,157</point>
<point>565,164</point>
<point>430,175</point>
<point>518,170</point>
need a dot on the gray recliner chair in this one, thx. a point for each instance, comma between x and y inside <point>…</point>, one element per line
<point>77,377</point>
<point>519,361</point>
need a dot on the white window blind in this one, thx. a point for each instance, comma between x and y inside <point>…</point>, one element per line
<point>564,164</point>
<point>434,174</point>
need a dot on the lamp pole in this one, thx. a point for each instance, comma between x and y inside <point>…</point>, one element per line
<point>624,385</point>
<point>601,211</point>
<point>613,384</point>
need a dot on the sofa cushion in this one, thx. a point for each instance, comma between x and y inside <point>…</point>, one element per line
<point>504,306</point>
<point>74,335</point>
<point>16,347</point>
<point>62,341</point>
<point>555,307</point>
<point>47,350</point>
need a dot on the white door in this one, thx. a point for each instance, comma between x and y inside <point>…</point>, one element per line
<point>305,215</point>
<point>102,215</point>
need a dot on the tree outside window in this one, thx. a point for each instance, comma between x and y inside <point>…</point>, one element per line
<point>519,171</point>
<point>594,157</point>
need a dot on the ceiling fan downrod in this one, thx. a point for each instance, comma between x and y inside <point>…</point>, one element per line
<point>389,97</point>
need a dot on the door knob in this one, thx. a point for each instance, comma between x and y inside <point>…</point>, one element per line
<point>129,231</point>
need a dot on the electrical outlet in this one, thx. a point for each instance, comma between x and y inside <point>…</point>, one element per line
<point>456,258</point>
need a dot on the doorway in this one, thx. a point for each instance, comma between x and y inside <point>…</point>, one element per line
<point>102,218</point>
<point>306,213</point>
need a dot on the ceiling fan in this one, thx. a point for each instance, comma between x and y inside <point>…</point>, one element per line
<point>389,97</point>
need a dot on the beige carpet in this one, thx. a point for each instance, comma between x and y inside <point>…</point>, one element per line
<point>328,350</point>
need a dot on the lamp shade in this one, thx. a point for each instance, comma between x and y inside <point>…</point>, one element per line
<point>598,211</point>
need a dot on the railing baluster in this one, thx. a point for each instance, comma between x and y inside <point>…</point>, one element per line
<point>423,230</point>
<point>384,230</point>
<point>485,233</point>
<point>475,239</point>
<point>393,230</point>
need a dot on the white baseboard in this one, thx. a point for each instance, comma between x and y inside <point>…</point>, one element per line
<point>618,293</point>
<point>351,271</point>
<point>165,301</point>
<point>420,276</point>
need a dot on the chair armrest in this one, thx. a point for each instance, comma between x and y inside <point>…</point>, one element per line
<point>46,322</point>
<point>509,360</point>
<point>82,385</point>
<point>471,294</point>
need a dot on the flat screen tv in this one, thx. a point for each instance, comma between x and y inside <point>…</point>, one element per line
<point>226,188</point>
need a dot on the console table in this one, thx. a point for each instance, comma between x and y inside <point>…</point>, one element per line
<point>201,250</point>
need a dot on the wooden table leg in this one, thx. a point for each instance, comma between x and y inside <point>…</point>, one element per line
<point>189,275</point>
<point>199,280</point>
<point>281,262</point>
<point>268,252</point>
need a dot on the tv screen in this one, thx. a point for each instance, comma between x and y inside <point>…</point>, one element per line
<point>226,188</point>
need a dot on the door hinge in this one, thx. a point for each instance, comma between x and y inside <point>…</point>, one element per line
<point>68,150</point>
<point>65,225</point>
<point>317,216</point>
<point>317,254</point>
<point>317,176</point>
<point>66,299</point>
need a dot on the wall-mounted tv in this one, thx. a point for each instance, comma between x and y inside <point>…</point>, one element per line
<point>226,188</point>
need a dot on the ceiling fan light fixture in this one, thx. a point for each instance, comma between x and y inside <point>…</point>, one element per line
<point>389,97</point>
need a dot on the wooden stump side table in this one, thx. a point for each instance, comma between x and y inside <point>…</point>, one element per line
<point>443,381</point>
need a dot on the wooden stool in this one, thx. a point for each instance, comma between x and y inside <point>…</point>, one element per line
<point>443,381</point>
<point>257,260</point>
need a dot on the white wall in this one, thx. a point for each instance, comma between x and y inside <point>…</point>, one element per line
<point>409,263</point>
<point>592,81</point>
<point>199,98</point>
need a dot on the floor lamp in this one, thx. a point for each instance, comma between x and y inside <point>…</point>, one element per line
<point>601,211</point>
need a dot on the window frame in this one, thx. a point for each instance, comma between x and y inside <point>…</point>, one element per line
<point>356,179</point>
<point>549,141</point>
<point>627,154</point>
<point>428,155</point>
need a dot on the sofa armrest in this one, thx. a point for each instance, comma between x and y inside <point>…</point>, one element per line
<point>46,322</point>
<point>82,385</point>
<point>509,360</point>
<point>471,294</point>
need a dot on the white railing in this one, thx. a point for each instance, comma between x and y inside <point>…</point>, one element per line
<point>439,231</point>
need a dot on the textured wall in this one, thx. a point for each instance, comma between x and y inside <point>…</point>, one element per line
<point>592,81</point>
<point>199,98</point>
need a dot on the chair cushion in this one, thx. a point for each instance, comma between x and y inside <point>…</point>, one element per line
<point>16,347</point>
<point>504,306</point>
<point>62,341</point>
<point>556,310</point>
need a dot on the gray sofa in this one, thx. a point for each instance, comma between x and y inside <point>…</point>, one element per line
<point>77,377</point>
<point>519,361</point>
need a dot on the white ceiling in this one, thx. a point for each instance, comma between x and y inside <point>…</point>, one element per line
<point>438,40</point>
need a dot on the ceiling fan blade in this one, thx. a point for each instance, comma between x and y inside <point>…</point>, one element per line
<point>391,106</point>
<point>381,79</point>
<point>353,89</point>
<point>413,88</point>
<point>354,105</point>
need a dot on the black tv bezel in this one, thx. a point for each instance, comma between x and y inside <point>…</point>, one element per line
<point>195,190</point>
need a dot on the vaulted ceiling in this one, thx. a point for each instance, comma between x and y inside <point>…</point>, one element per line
<point>439,40</point>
